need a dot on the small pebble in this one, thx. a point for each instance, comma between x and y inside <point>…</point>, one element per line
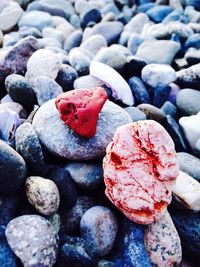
<point>152,113</point>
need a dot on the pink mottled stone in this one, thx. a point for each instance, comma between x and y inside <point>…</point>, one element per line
<point>140,168</point>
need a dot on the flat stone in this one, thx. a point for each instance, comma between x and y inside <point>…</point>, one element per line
<point>152,113</point>
<point>188,102</point>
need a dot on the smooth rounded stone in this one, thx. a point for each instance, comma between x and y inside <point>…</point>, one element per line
<point>193,57</point>
<point>128,249</point>
<point>189,78</point>
<point>110,30</point>
<point>73,216</point>
<point>49,43</point>
<point>134,66</point>
<point>75,21</point>
<point>16,107</point>
<point>87,176</point>
<point>105,263</point>
<point>28,146</point>
<point>136,114</point>
<point>194,3</point>
<point>175,15</point>
<point>9,121</point>
<point>169,109</point>
<point>92,15</point>
<point>53,33</point>
<point>6,99</point>
<point>74,253</point>
<point>187,191</point>
<point>10,16</point>
<point>65,28</point>
<point>37,19</point>
<point>134,41</point>
<point>66,77</point>
<point>152,113</point>
<point>59,8</point>
<point>158,51</point>
<point>111,57</point>
<point>159,95</point>
<point>73,40</point>
<point>98,227</point>
<point>173,93</point>
<point>163,243</point>
<point>33,239</point>
<point>124,37</point>
<point>66,186</point>
<point>12,169</point>
<point>82,6</point>
<point>7,257</point>
<point>20,91</point>
<point>136,24</point>
<point>159,12</point>
<point>188,102</point>
<point>187,224</point>
<point>94,43</point>
<point>43,63</point>
<point>189,164</point>
<point>121,49</point>
<point>158,74</point>
<point>43,194</point>
<point>193,41</point>
<point>45,89</point>
<point>60,140</point>
<point>139,90</point>
<point>27,31</point>
<point>9,208</point>
<point>144,7</point>
<point>87,81</point>
<point>110,7</point>
<point>79,60</point>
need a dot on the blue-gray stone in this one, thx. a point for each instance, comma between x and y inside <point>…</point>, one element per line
<point>92,15</point>
<point>139,90</point>
<point>136,114</point>
<point>145,7</point>
<point>66,77</point>
<point>9,207</point>
<point>160,95</point>
<point>74,40</point>
<point>193,41</point>
<point>189,77</point>
<point>135,40</point>
<point>169,109</point>
<point>159,12</point>
<point>194,3</point>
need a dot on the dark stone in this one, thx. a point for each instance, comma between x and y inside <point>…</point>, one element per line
<point>104,263</point>
<point>189,78</point>
<point>193,41</point>
<point>92,15</point>
<point>66,77</point>
<point>9,207</point>
<point>134,66</point>
<point>129,249</point>
<point>74,40</point>
<point>12,169</point>
<point>139,90</point>
<point>160,95</point>
<point>169,109</point>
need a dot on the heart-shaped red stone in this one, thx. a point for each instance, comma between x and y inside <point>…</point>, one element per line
<point>80,109</point>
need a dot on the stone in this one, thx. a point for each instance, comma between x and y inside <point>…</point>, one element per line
<point>9,208</point>
<point>45,89</point>
<point>188,102</point>
<point>16,107</point>
<point>37,19</point>
<point>43,194</point>
<point>193,57</point>
<point>43,63</point>
<point>33,239</point>
<point>134,66</point>
<point>140,168</point>
<point>87,81</point>
<point>129,249</point>
<point>20,91</point>
<point>12,169</point>
<point>53,33</point>
<point>189,164</point>
<point>80,109</point>
<point>91,16</point>
<point>152,113</point>
<point>189,77</point>
<point>159,12</point>
<point>10,16</point>
<point>158,75</point>
<point>134,41</point>
<point>139,90</point>
<point>87,176</point>
<point>94,43</point>
<point>193,41</point>
<point>66,77</point>
<point>104,263</point>
<point>98,227</point>
<point>73,40</point>
<point>137,23</point>
<point>187,191</point>
<point>159,95</point>
<point>120,88</point>
<point>29,147</point>
<point>173,93</point>
<point>80,61</point>
<point>60,140</point>
<point>163,243</point>
<point>136,114</point>
<point>158,51</point>
<point>169,109</point>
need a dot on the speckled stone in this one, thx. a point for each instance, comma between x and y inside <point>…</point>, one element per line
<point>33,239</point>
<point>98,228</point>
<point>152,113</point>
<point>62,141</point>
<point>189,78</point>
<point>43,194</point>
<point>163,243</point>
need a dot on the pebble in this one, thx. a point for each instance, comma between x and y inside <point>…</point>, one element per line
<point>129,249</point>
<point>7,257</point>
<point>87,81</point>
<point>98,227</point>
<point>29,147</point>
<point>53,33</point>
<point>140,153</point>
<point>193,41</point>
<point>162,242</point>
<point>169,109</point>
<point>189,164</point>
<point>66,77</point>
<point>159,12</point>
<point>134,41</point>
<point>139,90</point>
<point>160,94</point>
<point>43,194</point>
<point>192,57</point>
<point>152,113</point>
<point>80,109</point>
<point>33,240</point>
<point>173,93</point>
<point>61,141</point>
<point>87,176</point>
<point>158,75</point>
<point>91,16</point>
<point>20,91</point>
<point>134,66</point>
<point>43,63</point>
<point>158,51</point>
<point>137,23</point>
<point>187,191</point>
<point>104,263</point>
<point>73,40</point>
<point>9,208</point>
<point>37,19</point>
<point>45,89</point>
<point>80,61</point>
<point>189,78</point>
<point>16,107</point>
<point>12,169</point>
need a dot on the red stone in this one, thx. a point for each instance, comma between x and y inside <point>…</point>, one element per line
<point>80,109</point>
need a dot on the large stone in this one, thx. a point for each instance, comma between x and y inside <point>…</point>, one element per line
<point>60,140</point>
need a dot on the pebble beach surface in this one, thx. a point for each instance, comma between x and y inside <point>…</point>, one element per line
<point>99,133</point>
